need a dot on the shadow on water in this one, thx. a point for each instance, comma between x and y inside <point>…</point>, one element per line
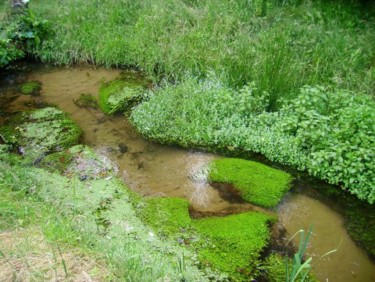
<point>152,169</point>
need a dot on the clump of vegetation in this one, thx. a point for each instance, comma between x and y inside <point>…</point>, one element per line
<point>121,94</point>
<point>81,161</point>
<point>86,101</point>
<point>41,131</point>
<point>169,216</point>
<point>327,132</point>
<point>20,35</point>
<point>257,183</point>
<point>231,244</point>
<point>275,269</point>
<point>31,88</point>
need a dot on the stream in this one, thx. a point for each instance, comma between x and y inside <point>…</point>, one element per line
<point>156,170</point>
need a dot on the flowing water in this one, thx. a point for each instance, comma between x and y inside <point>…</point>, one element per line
<point>152,169</point>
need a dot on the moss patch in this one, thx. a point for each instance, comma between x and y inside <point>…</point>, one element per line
<point>233,243</point>
<point>86,101</point>
<point>120,94</point>
<point>230,244</point>
<point>166,215</point>
<point>41,131</point>
<point>81,161</point>
<point>31,88</point>
<point>257,183</point>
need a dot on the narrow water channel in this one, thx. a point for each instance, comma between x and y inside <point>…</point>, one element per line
<point>152,169</point>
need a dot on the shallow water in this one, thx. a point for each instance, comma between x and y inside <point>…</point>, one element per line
<point>152,169</point>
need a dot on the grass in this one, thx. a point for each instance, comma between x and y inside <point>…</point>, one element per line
<point>257,183</point>
<point>95,216</point>
<point>286,46</point>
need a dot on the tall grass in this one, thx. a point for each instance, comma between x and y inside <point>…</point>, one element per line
<point>280,46</point>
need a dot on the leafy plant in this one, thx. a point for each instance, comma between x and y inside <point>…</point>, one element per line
<point>21,34</point>
<point>300,268</point>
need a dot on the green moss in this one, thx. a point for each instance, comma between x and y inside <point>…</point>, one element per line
<point>166,215</point>
<point>31,88</point>
<point>41,131</point>
<point>233,244</point>
<point>257,183</point>
<point>230,244</point>
<point>119,95</point>
<point>57,162</point>
<point>86,101</point>
<point>81,161</point>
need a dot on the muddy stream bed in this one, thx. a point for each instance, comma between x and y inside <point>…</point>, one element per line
<point>155,170</point>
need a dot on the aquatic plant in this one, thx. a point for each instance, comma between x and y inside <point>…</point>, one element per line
<point>257,183</point>
<point>86,101</point>
<point>30,88</point>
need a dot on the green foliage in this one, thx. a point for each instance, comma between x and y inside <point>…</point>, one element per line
<point>21,34</point>
<point>300,268</point>
<point>328,132</point>
<point>257,183</point>
<point>275,269</point>
<point>119,95</point>
<point>281,45</point>
<point>234,243</point>
<point>30,88</point>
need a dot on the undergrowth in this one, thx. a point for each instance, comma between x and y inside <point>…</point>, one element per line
<point>326,131</point>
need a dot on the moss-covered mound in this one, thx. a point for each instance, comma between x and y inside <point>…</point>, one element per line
<point>233,244</point>
<point>166,215</point>
<point>230,244</point>
<point>120,95</point>
<point>257,183</point>
<point>39,132</point>
<point>82,161</point>
<point>31,88</point>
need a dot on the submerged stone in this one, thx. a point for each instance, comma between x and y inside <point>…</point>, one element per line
<point>40,132</point>
<point>256,183</point>
<point>86,101</point>
<point>121,94</point>
<point>81,161</point>
<point>31,88</point>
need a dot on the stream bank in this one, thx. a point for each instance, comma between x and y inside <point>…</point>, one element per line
<point>155,170</point>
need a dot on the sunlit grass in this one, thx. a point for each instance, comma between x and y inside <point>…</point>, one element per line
<point>288,47</point>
